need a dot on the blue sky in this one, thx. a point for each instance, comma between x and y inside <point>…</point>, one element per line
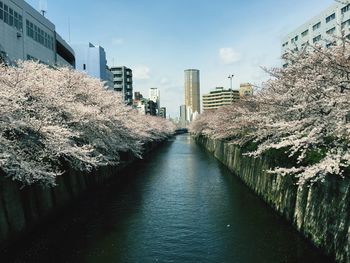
<point>159,39</point>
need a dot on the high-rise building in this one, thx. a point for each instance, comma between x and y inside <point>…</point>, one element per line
<point>192,90</point>
<point>183,116</point>
<point>245,89</point>
<point>25,34</point>
<point>122,80</point>
<point>154,95</point>
<point>321,29</point>
<point>218,98</point>
<point>92,60</point>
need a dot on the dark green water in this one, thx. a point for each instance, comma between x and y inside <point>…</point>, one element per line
<point>178,205</point>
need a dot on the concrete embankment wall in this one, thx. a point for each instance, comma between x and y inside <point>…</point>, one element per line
<point>321,212</point>
<point>24,209</point>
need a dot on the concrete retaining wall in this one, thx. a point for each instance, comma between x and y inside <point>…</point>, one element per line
<point>321,212</point>
<point>22,210</point>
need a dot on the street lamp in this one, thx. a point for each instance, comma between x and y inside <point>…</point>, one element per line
<point>231,77</point>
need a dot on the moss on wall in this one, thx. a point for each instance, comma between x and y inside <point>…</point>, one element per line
<point>321,212</point>
<point>23,209</point>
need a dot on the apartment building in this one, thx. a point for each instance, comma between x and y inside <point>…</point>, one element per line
<point>219,97</point>
<point>122,80</point>
<point>321,29</point>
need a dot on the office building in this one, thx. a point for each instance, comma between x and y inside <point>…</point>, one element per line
<point>162,112</point>
<point>192,90</point>
<point>321,29</point>
<point>92,60</point>
<point>122,80</point>
<point>218,98</point>
<point>27,35</point>
<point>245,89</point>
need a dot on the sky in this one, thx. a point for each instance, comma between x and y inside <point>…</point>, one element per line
<point>159,39</point>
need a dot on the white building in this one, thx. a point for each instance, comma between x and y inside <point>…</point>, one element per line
<point>27,34</point>
<point>320,29</point>
<point>154,95</point>
<point>92,60</point>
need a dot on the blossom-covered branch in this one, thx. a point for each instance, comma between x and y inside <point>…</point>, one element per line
<point>303,110</point>
<point>53,116</point>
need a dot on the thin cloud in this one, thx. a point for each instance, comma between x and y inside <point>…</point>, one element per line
<point>164,81</point>
<point>141,72</point>
<point>229,55</point>
<point>118,41</point>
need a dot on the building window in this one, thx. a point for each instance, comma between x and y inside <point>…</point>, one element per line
<point>346,23</point>
<point>316,26</point>
<point>330,31</point>
<point>316,39</point>
<point>345,9</point>
<point>294,39</point>
<point>10,17</point>
<point>39,35</point>
<point>330,18</point>
<point>305,44</point>
<point>304,34</point>
<point>285,44</point>
<point>331,44</point>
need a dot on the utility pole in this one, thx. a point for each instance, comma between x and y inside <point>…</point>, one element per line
<point>231,77</point>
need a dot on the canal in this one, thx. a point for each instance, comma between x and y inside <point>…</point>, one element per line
<point>177,205</point>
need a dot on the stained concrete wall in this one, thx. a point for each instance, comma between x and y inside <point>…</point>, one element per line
<point>321,212</point>
<point>24,209</point>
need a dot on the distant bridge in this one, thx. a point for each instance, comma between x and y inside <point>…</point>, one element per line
<point>181,131</point>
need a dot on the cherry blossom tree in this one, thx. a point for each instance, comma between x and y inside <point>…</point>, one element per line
<point>51,117</point>
<point>303,110</point>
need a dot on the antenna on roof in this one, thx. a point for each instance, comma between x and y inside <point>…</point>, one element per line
<point>43,7</point>
<point>69,29</point>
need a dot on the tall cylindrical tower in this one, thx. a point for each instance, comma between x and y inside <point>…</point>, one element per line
<point>192,90</point>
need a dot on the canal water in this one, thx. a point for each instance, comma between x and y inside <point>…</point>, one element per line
<point>177,205</point>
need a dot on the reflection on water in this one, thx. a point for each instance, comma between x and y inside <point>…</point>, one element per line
<point>177,205</point>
